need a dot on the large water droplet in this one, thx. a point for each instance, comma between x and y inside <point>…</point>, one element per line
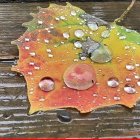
<point>46,84</point>
<point>64,116</point>
<point>129,88</point>
<point>77,44</point>
<point>113,82</point>
<point>101,55</point>
<point>93,26</point>
<point>130,67</point>
<point>79,33</point>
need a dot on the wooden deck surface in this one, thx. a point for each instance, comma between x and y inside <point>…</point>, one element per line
<point>114,121</point>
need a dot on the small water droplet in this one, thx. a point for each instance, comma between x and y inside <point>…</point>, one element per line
<point>50,55</point>
<point>66,35</point>
<point>129,88</point>
<point>137,77</point>
<point>138,83</point>
<point>77,44</point>
<point>128,79</point>
<point>127,47</point>
<point>137,65</point>
<point>73,13</point>
<point>105,34</point>
<point>93,26</point>
<point>113,82</point>
<point>36,67</point>
<point>130,67</point>
<point>122,37</point>
<point>31,63</point>
<point>46,84</point>
<point>64,116</point>
<point>42,99</point>
<point>32,54</point>
<point>27,47</point>
<point>30,73</point>
<point>79,33</point>
<point>48,50</point>
<point>117,98</point>
<point>62,17</point>
<point>40,22</point>
<point>75,60</point>
<point>27,39</point>
<point>83,58</point>
<point>46,40</point>
<point>57,18</point>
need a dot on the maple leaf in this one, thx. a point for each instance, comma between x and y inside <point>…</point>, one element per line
<point>72,59</point>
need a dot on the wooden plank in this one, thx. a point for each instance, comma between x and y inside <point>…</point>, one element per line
<point>114,121</point>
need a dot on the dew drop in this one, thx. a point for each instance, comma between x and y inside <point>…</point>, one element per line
<point>57,18</point>
<point>122,37</point>
<point>130,67</point>
<point>117,98</point>
<point>105,34</point>
<point>30,73</point>
<point>27,47</point>
<point>40,22</point>
<point>31,63</point>
<point>62,17</point>
<point>128,88</point>
<point>46,40</point>
<point>79,33</point>
<point>73,13</point>
<point>93,26</point>
<point>113,82</point>
<point>138,83</point>
<point>27,39</point>
<point>77,44</point>
<point>32,54</point>
<point>50,55</point>
<point>66,35</point>
<point>48,50</point>
<point>83,58</point>
<point>127,47</point>
<point>46,84</point>
<point>36,68</point>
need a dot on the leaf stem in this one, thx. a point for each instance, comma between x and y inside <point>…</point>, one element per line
<point>125,12</point>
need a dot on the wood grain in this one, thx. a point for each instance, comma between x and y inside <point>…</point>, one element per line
<point>114,121</point>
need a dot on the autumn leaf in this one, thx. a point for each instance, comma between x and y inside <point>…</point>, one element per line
<point>72,59</point>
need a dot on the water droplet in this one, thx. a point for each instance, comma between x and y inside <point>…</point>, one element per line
<point>49,51</point>
<point>137,65</point>
<point>73,13</point>
<point>128,79</point>
<point>66,35</point>
<point>50,55</point>
<point>27,39</point>
<point>117,98</point>
<point>137,77</point>
<point>122,37</point>
<point>76,60</point>
<point>101,55</point>
<point>127,47</point>
<point>83,58</point>
<point>32,54</point>
<point>42,99</point>
<point>138,83</point>
<point>36,67</point>
<point>105,34</point>
<point>113,82</point>
<point>93,26</point>
<point>27,47</point>
<point>79,33</point>
<point>129,88</point>
<point>77,44</point>
<point>31,63</point>
<point>57,18</point>
<point>64,116</point>
<point>46,40</point>
<point>62,17</point>
<point>30,73</point>
<point>40,22</point>
<point>46,84</point>
<point>130,67</point>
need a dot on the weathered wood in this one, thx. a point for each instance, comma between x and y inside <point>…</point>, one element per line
<point>114,121</point>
